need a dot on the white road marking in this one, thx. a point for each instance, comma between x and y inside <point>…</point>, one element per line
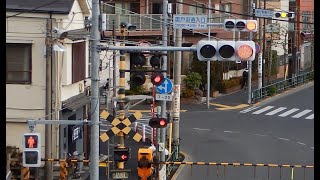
<point>284,139</point>
<point>301,143</point>
<point>230,132</point>
<point>263,110</point>
<point>249,109</point>
<point>312,147</point>
<point>260,135</point>
<point>202,129</point>
<point>276,111</point>
<point>310,117</point>
<point>288,112</point>
<point>302,113</point>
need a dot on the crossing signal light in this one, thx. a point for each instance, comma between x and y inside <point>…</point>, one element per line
<point>226,50</point>
<point>157,78</point>
<point>158,122</point>
<point>32,150</point>
<point>283,15</point>
<point>121,154</point>
<point>156,61</point>
<point>240,25</point>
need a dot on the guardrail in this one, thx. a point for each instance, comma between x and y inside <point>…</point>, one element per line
<point>280,86</point>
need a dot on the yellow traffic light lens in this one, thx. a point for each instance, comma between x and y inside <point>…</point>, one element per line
<point>251,26</point>
<point>244,52</point>
<point>283,15</point>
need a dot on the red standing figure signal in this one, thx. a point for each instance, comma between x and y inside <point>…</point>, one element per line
<point>31,142</point>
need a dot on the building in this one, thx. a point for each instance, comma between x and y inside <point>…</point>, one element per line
<point>46,77</point>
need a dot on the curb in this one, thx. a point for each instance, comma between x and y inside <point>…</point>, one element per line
<point>178,171</point>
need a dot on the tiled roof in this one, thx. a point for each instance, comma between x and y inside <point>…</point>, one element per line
<point>76,102</point>
<point>54,6</point>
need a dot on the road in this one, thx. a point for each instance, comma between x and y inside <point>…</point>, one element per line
<point>279,132</point>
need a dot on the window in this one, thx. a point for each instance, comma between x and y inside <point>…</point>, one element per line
<point>306,15</point>
<point>78,61</point>
<point>18,63</point>
<point>200,8</point>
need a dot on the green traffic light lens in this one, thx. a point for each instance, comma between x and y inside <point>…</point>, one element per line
<point>207,51</point>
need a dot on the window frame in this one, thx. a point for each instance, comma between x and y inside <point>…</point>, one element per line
<point>29,81</point>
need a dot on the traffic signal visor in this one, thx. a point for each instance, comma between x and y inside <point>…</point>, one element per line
<point>245,50</point>
<point>229,24</point>
<point>206,50</point>
<point>226,50</point>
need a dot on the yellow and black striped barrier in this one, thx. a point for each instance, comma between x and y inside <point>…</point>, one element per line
<point>101,163</point>
<point>235,164</point>
<point>25,172</point>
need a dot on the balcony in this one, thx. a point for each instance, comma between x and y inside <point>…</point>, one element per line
<point>149,22</point>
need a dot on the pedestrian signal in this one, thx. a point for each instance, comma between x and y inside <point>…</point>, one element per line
<point>31,140</point>
<point>32,150</point>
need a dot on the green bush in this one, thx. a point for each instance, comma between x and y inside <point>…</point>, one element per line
<point>271,90</point>
<point>187,93</point>
<point>193,80</point>
<point>231,83</point>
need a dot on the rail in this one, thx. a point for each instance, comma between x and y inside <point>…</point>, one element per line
<point>280,86</point>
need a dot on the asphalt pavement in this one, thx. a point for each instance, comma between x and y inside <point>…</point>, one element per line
<point>277,131</point>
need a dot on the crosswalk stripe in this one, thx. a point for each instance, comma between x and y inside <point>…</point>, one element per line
<point>288,112</point>
<point>263,110</point>
<point>310,117</point>
<point>249,109</point>
<point>301,113</point>
<point>276,111</point>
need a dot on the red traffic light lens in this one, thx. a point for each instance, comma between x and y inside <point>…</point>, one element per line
<point>244,52</point>
<point>124,157</point>
<point>157,79</point>
<point>31,141</point>
<point>162,122</point>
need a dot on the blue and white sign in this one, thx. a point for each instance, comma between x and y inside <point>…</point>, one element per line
<point>263,13</point>
<point>190,21</point>
<point>165,87</point>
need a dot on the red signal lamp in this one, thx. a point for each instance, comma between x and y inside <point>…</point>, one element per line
<point>158,122</point>
<point>157,79</point>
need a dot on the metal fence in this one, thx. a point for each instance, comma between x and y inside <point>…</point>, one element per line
<point>149,22</point>
<point>280,86</point>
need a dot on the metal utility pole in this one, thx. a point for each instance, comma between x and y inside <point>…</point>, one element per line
<point>264,47</point>
<point>48,128</point>
<point>252,7</point>
<point>260,60</point>
<point>177,82</point>
<point>114,62</point>
<point>208,62</point>
<point>94,146</point>
<point>164,67</point>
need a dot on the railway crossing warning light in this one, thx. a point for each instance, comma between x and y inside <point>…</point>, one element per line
<point>32,150</point>
<point>121,154</point>
<point>145,168</point>
<point>156,62</point>
<point>158,122</point>
<point>137,60</point>
<point>226,50</point>
<point>240,25</point>
<point>157,78</point>
<point>283,15</point>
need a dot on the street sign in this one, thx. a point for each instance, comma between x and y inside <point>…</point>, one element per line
<point>164,97</point>
<point>263,13</point>
<point>190,21</point>
<point>120,174</point>
<point>165,87</point>
<point>273,28</point>
<point>257,48</point>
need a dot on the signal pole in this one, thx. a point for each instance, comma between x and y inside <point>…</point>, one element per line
<point>164,67</point>
<point>94,146</point>
<point>208,62</point>
<point>252,6</point>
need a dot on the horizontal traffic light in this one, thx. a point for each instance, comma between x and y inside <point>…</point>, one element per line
<point>121,154</point>
<point>283,15</point>
<point>240,25</point>
<point>158,122</point>
<point>226,50</point>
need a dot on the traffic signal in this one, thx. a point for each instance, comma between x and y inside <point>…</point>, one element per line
<point>121,154</point>
<point>240,25</point>
<point>137,60</point>
<point>226,50</point>
<point>145,157</point>
<point>158,122</point>
<point>157,78</point>
<point>156,61</point>
<point>32,150</point>
<point>283,15</point>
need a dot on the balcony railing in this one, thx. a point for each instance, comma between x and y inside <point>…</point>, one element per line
<point>149,22</point>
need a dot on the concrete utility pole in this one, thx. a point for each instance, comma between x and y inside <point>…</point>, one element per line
<point>164,67</point>
<point>48,128</point>
<point>114,62</point>
<point>208,62</point>
<point>94,146</point>
<point>252,7</point>
<point>264,48</point>
<point>177,82</point>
